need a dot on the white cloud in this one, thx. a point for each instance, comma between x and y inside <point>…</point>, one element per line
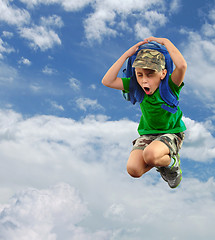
<point>100,24</point>
<point>7,74</point>
<point>104,20</point>
<point>66,4</point>
<point>74,83</point>
<point>47,214</point>
<point>7,34</point>
<point>91,155</point>
<point>92,86</point>
<point>199,53</point>
<point>107,19</point>
<point>57,106</point>
<point>35,87</point>
<point>142,31</point>
<point>13,15</point>
<point>57,213</point>
<point>49,71</point>
<point>40,37</point>
<point>208,30</point>
<point>155,19</point>
<point>24,61</point>
<point>175,6</point>
<point>199,143</point>
<point>115,211</point>
<point>5,48</point>
<point>211,15</point>
<point>75,5</point>
<point>58,148</point>
<point>53,20</point>
<point>85,103</point>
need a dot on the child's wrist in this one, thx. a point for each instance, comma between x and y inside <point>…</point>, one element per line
<point>165,41</point>
<point>125,55</point>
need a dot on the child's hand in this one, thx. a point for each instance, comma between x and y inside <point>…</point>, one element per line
<point>158,40</point>
<point>131,51</point>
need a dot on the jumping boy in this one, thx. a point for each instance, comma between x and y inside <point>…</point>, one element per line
<point>161,132</point>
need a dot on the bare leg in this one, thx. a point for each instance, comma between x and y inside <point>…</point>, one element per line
<point>136,165</point>
<point>157,154</point>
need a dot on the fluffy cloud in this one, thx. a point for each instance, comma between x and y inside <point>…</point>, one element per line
<point>35,87</point>
<point>56,106</point>
<point>109,17</point>
<point>175,6</point>
<point>100,24</point>
<point>24,61</point>
<point>74,83</point>
<point>142,31</point>
<point>155,18</point>
<point>5,48</point>
<point>49,149</point>
<point>40,37</point>
<point>7,34</point>
<point>201,61</point>
<point>104,20</point>
<point>53,20</point>
<point>66,4</point>
<point>43,36</point>
<point>8,74</point>
<point>47,214</point>
<point>49,71</point>
<point>199,142</point>
<point>59,213</point>
<point>85,103</point>
<point>13,15</point>
<point>91,156</point>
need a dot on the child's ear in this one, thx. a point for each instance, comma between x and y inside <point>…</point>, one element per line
<point>163,74</point>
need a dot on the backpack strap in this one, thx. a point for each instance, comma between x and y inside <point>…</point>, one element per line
<point>136,93</point>
<point>165,91</point>
<point>169,109</point>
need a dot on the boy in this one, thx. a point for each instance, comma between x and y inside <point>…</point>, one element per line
<point>161,132</point>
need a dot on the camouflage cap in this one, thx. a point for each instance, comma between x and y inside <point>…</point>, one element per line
<point>149,59</point>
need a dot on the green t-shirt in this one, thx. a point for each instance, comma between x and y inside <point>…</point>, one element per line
<point>154,119</point>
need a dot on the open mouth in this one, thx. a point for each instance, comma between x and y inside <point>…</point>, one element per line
<point>147,90</point>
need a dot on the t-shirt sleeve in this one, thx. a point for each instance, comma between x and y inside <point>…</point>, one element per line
<point>176,89</point>
<point>126,83</point>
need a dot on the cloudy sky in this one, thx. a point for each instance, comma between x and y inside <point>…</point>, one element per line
<point>65,138</point>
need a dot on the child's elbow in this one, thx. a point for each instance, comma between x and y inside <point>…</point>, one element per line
<point>183,66</point>
<point>105,83</point>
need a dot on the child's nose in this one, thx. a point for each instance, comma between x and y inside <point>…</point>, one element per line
<point>144,80</point>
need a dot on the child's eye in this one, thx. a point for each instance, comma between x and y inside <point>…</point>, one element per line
<point>149,74</point>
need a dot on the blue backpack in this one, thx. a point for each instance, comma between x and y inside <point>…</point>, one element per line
<point>136,93</point>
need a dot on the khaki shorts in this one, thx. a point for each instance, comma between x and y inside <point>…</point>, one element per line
<point>173,141</point>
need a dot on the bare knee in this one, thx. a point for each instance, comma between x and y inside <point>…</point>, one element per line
<point>150,157</point>
<point>136,165</point>
<point>134,171</point>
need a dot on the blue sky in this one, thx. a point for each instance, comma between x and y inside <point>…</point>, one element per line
<point>65,138</point>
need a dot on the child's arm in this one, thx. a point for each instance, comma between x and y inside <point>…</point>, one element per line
<point>110,79</point>
<point>177,58</point>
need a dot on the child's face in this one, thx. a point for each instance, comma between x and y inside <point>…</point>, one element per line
<point>149,79</point>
